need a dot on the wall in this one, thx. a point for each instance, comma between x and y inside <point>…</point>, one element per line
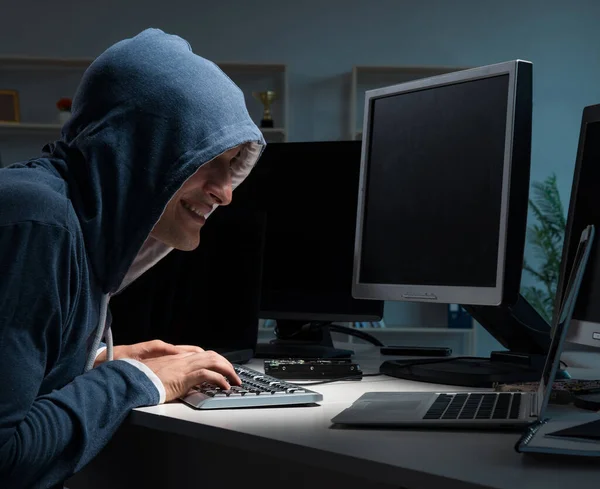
<point>321,41</point>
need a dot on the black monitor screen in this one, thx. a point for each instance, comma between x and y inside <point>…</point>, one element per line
<point>585,210</point>
<point>434,185</point>
<point>309,193</point>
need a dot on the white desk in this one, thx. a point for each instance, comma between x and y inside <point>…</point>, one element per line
<point>173,445</point>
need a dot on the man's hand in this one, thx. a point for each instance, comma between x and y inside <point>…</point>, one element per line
<point>180,372</point>
<point>148,349</point>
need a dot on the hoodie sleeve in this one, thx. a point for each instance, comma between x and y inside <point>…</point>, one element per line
<point>44,439</point>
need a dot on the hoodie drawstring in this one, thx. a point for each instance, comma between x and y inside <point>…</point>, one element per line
<point>99,334</point>
<point>109,345</point>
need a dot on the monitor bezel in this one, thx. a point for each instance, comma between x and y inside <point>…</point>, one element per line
<point>441,294</point>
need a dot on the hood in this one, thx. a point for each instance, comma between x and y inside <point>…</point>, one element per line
<point>147,115</point>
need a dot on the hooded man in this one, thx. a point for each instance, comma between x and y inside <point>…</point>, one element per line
<point>159,137</point>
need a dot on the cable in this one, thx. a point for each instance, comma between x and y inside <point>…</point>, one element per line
<point>354,377</point>
<point>316,325</point>
<point>355,332</point>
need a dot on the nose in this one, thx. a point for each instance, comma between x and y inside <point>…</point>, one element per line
<point>221,194</point>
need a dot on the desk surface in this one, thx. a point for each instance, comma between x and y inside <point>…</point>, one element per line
<point>412,458</point>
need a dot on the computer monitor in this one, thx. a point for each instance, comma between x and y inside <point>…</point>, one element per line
<point>308,192</point>
<point>584,209</point>
<point>442,214</point>
<point>200,297</point>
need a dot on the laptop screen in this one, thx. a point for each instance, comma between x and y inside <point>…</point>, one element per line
<point>561,320</point>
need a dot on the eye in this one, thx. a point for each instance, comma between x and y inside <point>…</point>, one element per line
<point>234,160</point>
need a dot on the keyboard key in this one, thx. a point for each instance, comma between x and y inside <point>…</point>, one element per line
<point>502,405</point>
<point>470,409</point>
<point>438,407</point>
<point>515,406</point>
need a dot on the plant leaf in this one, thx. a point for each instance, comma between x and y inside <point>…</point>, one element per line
<point>546,238</point>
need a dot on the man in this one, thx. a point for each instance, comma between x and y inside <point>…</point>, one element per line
<point>158,139</point>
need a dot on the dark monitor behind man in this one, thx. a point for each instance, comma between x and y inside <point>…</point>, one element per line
<point>309,244</point>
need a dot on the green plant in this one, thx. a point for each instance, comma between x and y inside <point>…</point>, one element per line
<point>546,237</point>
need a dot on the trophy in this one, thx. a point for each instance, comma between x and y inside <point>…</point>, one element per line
<point>266,98</point>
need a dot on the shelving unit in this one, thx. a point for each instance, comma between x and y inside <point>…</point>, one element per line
<point>41,81</point>
<point>365,78</point>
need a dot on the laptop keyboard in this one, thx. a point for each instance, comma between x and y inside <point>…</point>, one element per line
<point>500,405</point>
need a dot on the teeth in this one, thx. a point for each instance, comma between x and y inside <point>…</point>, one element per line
<point>193,209</point>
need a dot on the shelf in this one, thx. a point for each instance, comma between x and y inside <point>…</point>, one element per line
<point>39,63</point>
<point>28,127</point>
<point>253,67</point>
<point>21,68</point>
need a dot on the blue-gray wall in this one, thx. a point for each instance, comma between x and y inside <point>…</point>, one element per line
<point>321,41</point>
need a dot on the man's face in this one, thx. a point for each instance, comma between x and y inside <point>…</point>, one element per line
<point>180,224</point>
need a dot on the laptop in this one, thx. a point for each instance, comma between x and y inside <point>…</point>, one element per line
<point>475,409</point>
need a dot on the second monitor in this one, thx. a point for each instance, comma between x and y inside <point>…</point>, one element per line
<point>443,211</point>
<point>308,192</point>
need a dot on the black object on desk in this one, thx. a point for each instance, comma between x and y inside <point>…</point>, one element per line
<point>468,372</point>
<point>314,369</point>
<point>416,351</point>
<point>587,401</point>
<point>523,362</point>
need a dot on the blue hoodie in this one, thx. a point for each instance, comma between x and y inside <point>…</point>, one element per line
<point>74,229</point>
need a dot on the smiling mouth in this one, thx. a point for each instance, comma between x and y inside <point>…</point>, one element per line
<point>195,213</point>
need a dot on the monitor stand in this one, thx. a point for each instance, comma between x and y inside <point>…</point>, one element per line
<point>301,339</point>
<point>518,327</point>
